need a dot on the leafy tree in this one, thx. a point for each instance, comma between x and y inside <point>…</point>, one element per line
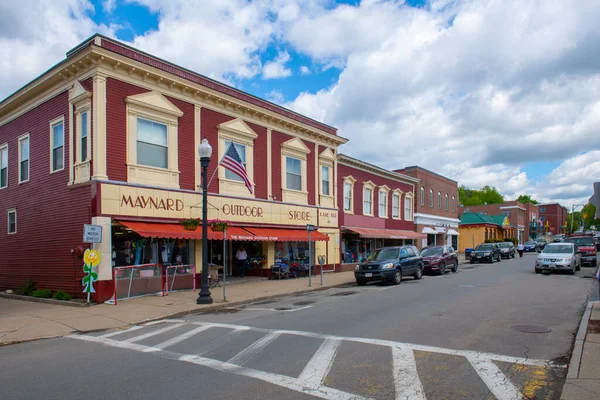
<point>474,197</point>
<point>526,198</point>
<point>576,221</point>
<point>588,212</point>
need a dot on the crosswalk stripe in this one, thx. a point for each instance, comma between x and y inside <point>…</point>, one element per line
<point>245,355</point>
<point>153,333</point>
<point>319,365</point>
<point>494,379</point>
<point>178,338</point>
<point>115,333</point>
<point>406,378</point>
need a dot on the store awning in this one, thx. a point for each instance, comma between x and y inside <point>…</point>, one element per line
<point>373,233</point>
<point>285,235</point>
<point>237,233</point>
<point>173,231</point>
<point>452,232</point>
<point>429,231</point>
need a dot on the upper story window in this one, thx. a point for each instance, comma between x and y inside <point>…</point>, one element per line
<point>431,198</point>
<point>368,201</point>
<point>396,205</point>
<point>408,207</point>
<point>349,194</point>
<point>83,142</point>
<point>57,146</point>
<point>439,200</point>
<point>12,221</point>
<point>542,210</point>
<point>241,150</point>
<point>383,203</point>
<point>293,171</point>
<point>152,143</point>
<point>447,202</point>
<point>24,158</point>
<point>453,204</point>
<point>3,166</point>
<point>422,196</point>
<point>325,180</point>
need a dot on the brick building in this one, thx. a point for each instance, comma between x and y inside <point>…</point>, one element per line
<point>376,208</point>
<point>436,207</point>
<point>553,218</point>
<point>108,137</point>
<point>524,217</point>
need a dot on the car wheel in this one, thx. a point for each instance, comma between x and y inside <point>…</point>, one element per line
<point>491,259</point>
<point>572,271</point>
<point>499,258</point>
<point>360,282</point>
<point>455,268</point>
<point>419,274</point>
<point>538,271</point>
<point>472,261</point>
<point>442,269</point>
<point>397,279</point>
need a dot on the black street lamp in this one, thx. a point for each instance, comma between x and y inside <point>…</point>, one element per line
<point>204,151</point>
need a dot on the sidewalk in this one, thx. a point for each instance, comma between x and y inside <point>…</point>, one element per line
<point>25,320</point>
<point>583,378</point>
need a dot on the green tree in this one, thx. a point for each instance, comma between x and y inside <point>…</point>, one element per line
<point>526,198</point>
<point>474,197</point>
<point>588,212</point>
<point>576,222</point>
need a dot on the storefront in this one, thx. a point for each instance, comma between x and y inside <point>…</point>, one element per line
<point>142,226</point>
<point>359,243</point>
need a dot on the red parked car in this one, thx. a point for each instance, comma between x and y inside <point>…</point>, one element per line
<point>439,258</point>
<point>586,246</point>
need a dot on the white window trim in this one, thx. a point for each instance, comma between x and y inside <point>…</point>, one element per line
<point>383,189</point>
<point>10,211</point>
<point>20,139</point>
<point>327,159</point>
<point>453,204</point>
<point>330,166</point>
<point>431,199</point>
<point>439,200</point>
<point>294,148</point>
<point>2,147</point>
<point>397,193</point>
<point>409,197</point>
<point>348,180</point>
<point>239,132</point>
<point>447,202</point>
<point>53,123</point>
<point>368,185</point>
<point>154,107</point>
<point>422,193</point>
<point>82,101</point>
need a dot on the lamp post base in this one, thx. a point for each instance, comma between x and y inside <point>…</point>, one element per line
<point>204,299</point>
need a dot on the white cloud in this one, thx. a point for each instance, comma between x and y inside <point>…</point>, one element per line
<point>275,96</point>
<point>276,68</point>
<point>304,70</point>
<point>109,5</point>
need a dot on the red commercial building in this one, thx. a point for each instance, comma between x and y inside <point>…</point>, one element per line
<point>109,137</point>
<point>376,209</point>
<point>553,218</point>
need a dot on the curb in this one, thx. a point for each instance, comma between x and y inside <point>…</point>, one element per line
<point>573,372</point>
<point>67,303</point>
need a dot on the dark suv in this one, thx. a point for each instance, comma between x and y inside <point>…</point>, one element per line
<point>390,264</point>
<point>486,252</point>
<point>507,250</point>
<point>439,258</point>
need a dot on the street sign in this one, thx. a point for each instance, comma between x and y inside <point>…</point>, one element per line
<point>310,228</point>
<point>92,233</point>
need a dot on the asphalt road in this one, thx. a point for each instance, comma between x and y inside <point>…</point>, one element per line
<point>443,337</point>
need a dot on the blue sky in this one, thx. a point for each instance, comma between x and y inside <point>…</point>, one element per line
<point>460,87</point>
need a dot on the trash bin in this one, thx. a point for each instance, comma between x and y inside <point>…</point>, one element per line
<point>468,253</point>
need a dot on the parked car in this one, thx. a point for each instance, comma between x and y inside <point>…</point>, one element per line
<point>558,238</point>
<point>439,258</point>
<point>587,247</point>
<point>530,246</point>
<point>486,252</point>
<point>563,256</point>
<point>541,242</point>
<point>507,250</point>
<point>390,264</point>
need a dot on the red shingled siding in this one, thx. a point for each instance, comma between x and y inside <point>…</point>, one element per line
<point>260,161</point>
<point>163,66</point>
<point>116,127</point>
<point>50,215</point>
<point>186,144</point>
<point>277,139</point>
<point>209,122</point>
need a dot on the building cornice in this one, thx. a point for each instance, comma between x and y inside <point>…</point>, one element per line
<point>354,163</point>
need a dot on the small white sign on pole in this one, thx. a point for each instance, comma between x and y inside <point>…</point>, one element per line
<point>92,233</point>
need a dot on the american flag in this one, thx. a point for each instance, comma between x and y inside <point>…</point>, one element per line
<point>232,161</point>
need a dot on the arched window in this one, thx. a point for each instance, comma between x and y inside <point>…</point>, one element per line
<point>439,200</point>
<point>447,202</point>
<point>453,204</point>
<point>431,198</point>
<point>422,196</point>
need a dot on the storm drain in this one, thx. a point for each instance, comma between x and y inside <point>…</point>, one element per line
<point>531,329</point>
<point>304,303</point>
<point>282,309</point>
<point>343,293</point>
<point>588,277</point>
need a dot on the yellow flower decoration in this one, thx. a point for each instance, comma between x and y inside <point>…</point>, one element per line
<point>91,257</point>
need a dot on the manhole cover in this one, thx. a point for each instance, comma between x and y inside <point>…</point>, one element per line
<point>303,303</point>
<point>266,302</point>
<point>343,294</point>
<point>283,309</point>
<point>531,329</point>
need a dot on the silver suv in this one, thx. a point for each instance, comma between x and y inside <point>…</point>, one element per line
<point>559,257</point>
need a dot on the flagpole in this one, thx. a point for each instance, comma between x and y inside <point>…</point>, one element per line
<point>219,163</point>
